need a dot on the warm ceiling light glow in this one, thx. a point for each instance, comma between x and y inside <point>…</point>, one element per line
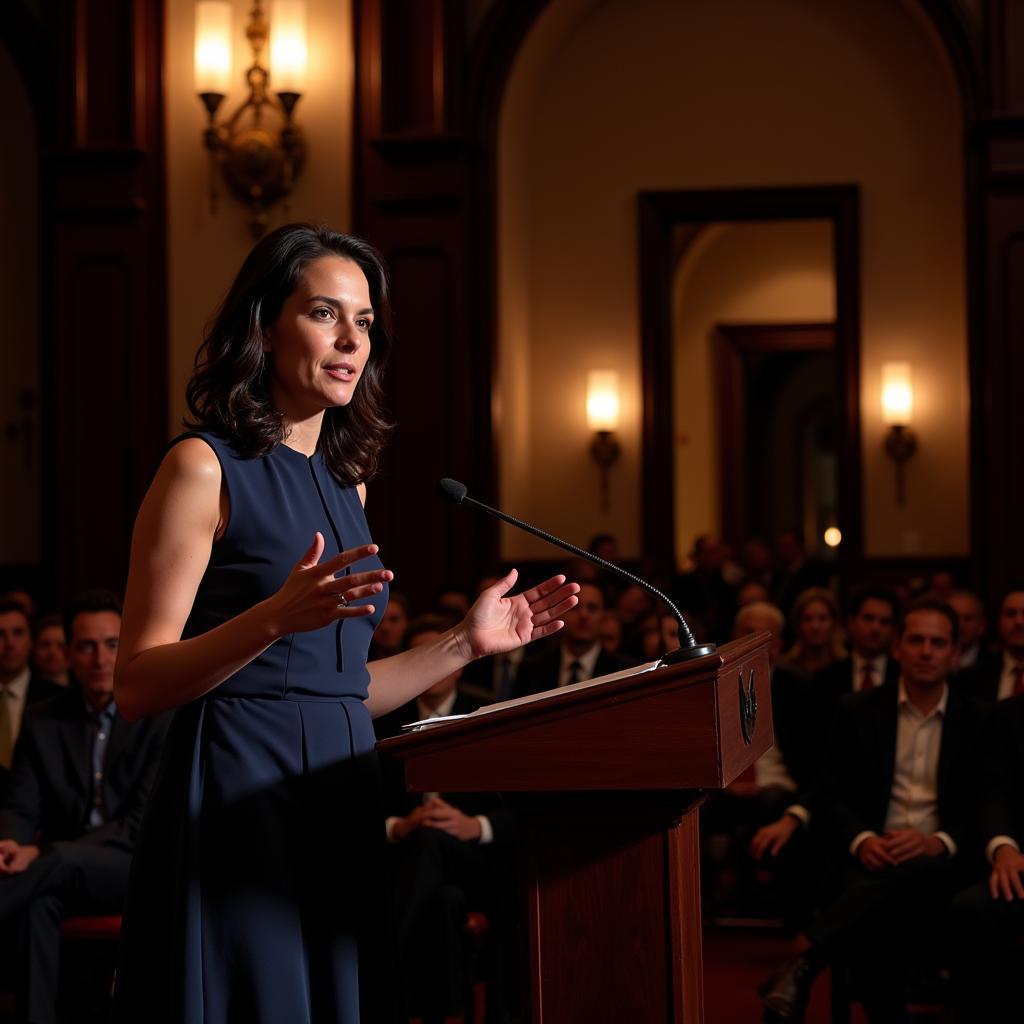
<point>603,400</point>
<point>214,24</point>
<point>833,538</point>
<point>897,394</point>
<point>288,46</point>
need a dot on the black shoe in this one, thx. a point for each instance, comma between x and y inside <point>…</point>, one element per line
<point>784,995</point>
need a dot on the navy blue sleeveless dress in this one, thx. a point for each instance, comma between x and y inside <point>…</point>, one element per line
<point>257,885</point>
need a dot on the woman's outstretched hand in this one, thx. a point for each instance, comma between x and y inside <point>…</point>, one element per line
<point>498,622</point>
<point>313,595</point>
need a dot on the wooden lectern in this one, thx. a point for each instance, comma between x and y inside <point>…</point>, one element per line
<point>609,774</point>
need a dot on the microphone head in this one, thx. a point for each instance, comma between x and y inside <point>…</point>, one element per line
<point>451,490</point>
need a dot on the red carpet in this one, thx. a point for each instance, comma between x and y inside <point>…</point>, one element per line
<point>736,962</point>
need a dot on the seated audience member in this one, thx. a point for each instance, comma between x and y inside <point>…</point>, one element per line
<point>785,772</point>
<point>997,678</point>
<point>606,546</point>
<point>669,631</point>
<point>751,591</point>
<point>50,650</point>
<point>610,629</point>
<point>757,562</point>
<point>447,849</point>
<point>23,599</point>
<point>709,600</point>
<point>389,636</point>
<point>814,622</point>
<point>973,627</point>
<point>869,628</point>
<point>579,654</point>
<point>633,604</point>
<point>452,600</point>
<point>19,685</point>
<point>987,919</point>
<point>493,678</point>
<point>795,570</point>
<point>69,821</point>
<point>941,586</point>
<point>901,786</point>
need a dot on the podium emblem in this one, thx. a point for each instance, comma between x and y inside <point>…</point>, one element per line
<point>748,709</point>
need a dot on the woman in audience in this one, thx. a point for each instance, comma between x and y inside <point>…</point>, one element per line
<point>814,621</point>
<point>253,593</point>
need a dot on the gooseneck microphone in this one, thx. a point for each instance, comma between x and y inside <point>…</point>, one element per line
<point>453,491</point>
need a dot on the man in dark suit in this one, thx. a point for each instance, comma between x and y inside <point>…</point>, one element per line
<point>870,626</point>
<point>901,782</point>
<point>987,919</point>
<point>447,851</point>
<point>973,627</point>
<point>69,821</point>
<point>20,687</point>
<point>1003,676</point>
<point>580,654</point>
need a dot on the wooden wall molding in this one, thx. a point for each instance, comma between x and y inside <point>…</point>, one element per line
<point>95,76</point>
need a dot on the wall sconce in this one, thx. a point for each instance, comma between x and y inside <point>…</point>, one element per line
<point>897,413</point>
<point>603,420</point>
<point>259,149</point>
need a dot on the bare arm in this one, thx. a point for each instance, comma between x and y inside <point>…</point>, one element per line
<point>496,623</point>
<point>180,516</point>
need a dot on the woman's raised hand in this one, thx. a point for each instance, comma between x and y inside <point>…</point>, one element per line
<point>313,595</point>
<point>498,622</point>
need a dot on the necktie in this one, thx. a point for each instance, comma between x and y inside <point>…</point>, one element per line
<point>867,678</point>
<point>575,669</point>
<point>1018,677</point>
<point>6,726</point>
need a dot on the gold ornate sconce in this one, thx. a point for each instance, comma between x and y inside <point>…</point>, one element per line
<point>897,413</point>
<point>259,149</point>
<point>603,420</point>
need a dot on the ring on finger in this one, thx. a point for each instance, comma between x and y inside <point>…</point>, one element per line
<point>342,601</point>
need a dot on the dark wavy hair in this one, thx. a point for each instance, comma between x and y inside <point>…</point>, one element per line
<point>229,392</point>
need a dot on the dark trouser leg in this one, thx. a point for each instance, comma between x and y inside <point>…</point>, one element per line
<point>433,867</point>
<point>987,960</point>
<point>68,878</point>
<point>798,868</point>
<point>877,919</point>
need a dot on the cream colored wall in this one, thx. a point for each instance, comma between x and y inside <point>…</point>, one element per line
<point>205,250</point>
<point>770,272</point>
<point>20,428</point>
<point>653,94</point>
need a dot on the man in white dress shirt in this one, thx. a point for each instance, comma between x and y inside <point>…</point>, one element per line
<point>901,786</point>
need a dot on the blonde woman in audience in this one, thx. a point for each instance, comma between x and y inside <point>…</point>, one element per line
<point>815,623</point>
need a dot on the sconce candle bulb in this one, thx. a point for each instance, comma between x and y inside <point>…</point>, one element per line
<point>213,47</point>
<point>897,412</point>
<point>603,420</point>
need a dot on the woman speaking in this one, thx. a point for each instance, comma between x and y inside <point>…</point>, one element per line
<point>253,592</point>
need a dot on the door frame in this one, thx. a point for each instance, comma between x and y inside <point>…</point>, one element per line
<point>659,213</point>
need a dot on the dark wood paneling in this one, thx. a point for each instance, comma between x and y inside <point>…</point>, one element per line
<point>103,276</point>
<point>419,173</point>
